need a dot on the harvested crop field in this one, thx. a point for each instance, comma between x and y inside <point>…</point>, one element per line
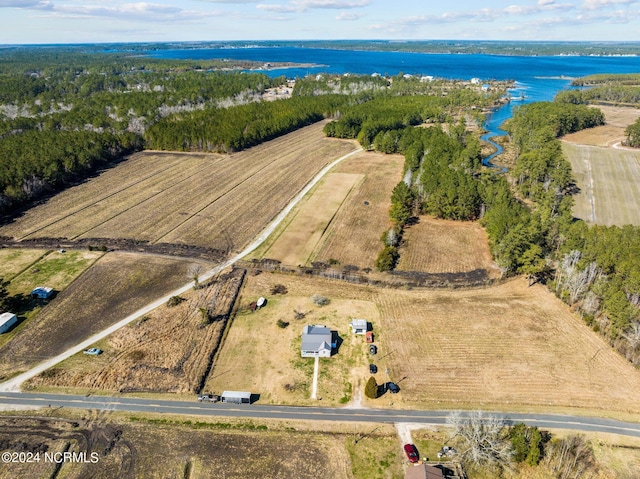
<point>500,346</point>
<point>496,346</point>
<point>609,182</point>
<point>129,449</point>
<point>353,236</point>
<point>447,247</point>
<point>115,286</point>
<point>617,120</point>
<point>204,200</point>
<point>169,350</point>
<point>299,239</point>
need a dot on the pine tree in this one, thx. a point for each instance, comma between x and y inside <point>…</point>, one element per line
<point>371,388</point>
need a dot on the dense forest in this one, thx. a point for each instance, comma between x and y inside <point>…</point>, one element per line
<point>63,113</point>
<point>66,112</point>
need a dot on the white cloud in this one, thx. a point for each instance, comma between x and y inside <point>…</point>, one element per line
<point>298,6</point>
<point>349,16</point>
<point>598,4</point>
<point>332,4</point>
<point>34,4</point>
<point>277,8</point>
<point>229,1</point>
<point>139,11</point>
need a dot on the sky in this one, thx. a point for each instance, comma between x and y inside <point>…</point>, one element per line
<point>88,21</point>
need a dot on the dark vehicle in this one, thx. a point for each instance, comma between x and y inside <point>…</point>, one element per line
<point>373,368</point>
<point>209,398</point>
<point>411,452</point>
<point>393,388</point>
<point>373,349</point>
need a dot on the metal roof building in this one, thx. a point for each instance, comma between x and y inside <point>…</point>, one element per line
<point>6,321</point>
<point>316,341</point>
<point>235,397</point>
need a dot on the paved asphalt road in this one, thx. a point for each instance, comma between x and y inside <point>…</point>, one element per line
<point>194,408</point>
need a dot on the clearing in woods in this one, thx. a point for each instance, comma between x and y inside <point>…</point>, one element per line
<point>617,120</point>
<point>204,200</point>
<point>447,247</point>
<point>169,350</point>
<point>342,219</point>
<point>609,182</point>
<point>498,347</point>
<point>353,237</point>
<point>116,285</point>
<point>307,225</point>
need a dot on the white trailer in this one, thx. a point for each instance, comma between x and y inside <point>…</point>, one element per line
<point>6,321</point>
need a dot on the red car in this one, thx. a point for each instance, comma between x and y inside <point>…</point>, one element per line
<point>411,452</point>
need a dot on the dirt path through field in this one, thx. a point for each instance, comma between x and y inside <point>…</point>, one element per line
<point>15,383</point>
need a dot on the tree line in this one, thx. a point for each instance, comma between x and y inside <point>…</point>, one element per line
<point>64,113</point>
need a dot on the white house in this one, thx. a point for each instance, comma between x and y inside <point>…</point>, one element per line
<point>42,292</point>
<point>359,326</point>
<point>316,341</point>
<point>6,321</point>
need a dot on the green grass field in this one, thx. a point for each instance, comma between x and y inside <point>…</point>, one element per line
<point>609,182</point>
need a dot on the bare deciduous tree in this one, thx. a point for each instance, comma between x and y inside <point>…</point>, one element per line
<point>480,439</point>
<point>632,334</point>
<point>573,280</point>
<point>572,458</point>
<point>194,273</point>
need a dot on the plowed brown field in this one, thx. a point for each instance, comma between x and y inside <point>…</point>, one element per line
<point>353,236</point>
<point>203,200</point>
<point>445,246</point>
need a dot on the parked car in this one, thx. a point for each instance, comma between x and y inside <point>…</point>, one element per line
<point>208,398</point>
<point>369,336</point>
<point>373,368</point>
<point>412,452</point>
<point>393,388</point>
<point>92,351</point>
<point>373,349</point>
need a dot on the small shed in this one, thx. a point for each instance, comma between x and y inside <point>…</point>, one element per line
<point>359,326</point>
<point>235,397</point>
<point>6,321</point>
<point>42,292</point>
